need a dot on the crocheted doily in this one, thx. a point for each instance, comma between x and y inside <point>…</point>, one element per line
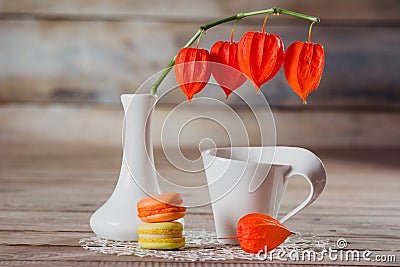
<point>204,246</point>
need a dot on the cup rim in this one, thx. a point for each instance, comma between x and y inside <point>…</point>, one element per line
<point>213,152</point>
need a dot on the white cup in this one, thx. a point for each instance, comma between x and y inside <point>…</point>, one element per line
<point>243,180</point>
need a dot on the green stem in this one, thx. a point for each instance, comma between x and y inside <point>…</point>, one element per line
<point>265,23</point>
<point>310,31</point>
<point>233,31</point>
<point>238,16</point>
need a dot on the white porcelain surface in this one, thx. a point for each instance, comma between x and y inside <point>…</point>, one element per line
<point>117,218</point>
<point>244,180</point>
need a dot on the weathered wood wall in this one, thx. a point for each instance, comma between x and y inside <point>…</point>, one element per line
<point>91,51</point>
<point>58,55</point>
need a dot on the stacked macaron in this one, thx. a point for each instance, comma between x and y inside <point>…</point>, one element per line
<point>158,212</point>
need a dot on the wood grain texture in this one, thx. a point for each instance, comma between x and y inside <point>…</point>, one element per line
<point>64,64</point>
<point>71,51</point>
<point>101,125</point>
<point>352,10</point>
<point>48,192</point>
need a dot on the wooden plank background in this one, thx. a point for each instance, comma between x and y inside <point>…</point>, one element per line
<point>64,64</point>
<point>49,192</point>
<point>91,51</point>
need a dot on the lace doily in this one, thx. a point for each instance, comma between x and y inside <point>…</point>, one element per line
<point>204,246</point>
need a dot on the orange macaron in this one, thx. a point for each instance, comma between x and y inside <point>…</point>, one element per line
<point>164,207</point>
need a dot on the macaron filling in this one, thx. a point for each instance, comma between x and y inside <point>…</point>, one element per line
<point>159,210</point>
<point>160,236</point>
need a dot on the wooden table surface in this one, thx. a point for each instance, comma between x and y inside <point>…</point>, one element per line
<point>48,193</point>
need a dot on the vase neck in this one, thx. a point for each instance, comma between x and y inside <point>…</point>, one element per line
<point>137,99</point>
<point>126,100</point>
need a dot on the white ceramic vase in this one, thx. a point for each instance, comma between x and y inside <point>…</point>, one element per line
<point>117,219</point>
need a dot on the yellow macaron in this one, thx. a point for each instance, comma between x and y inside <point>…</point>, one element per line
<point>163,235</point>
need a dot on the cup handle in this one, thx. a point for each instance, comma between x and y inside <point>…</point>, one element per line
<point>305,163</point>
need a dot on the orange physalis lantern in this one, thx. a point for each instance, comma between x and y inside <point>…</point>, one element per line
<point>303,66</point>
<point>260,56</point>
<point>192,70</point>
<point>229,78</point>
<point>260,232</point>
